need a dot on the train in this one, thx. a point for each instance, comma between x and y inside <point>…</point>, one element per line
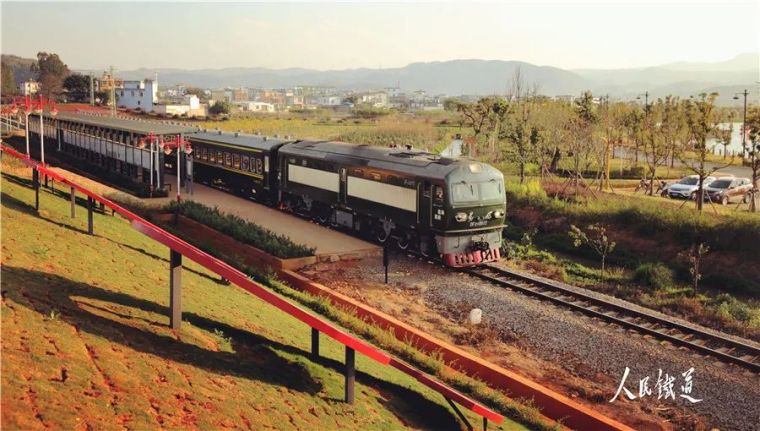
<point>450,208</point>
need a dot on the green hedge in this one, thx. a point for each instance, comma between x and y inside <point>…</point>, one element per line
<point>242,230</point>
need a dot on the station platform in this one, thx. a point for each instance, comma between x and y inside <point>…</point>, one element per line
<point>329,244</point>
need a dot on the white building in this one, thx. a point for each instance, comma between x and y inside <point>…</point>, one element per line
<point>377,99</point>
<point>328,100</point>
<point>29,87</point>
<point>190,106</point>
<point>138,94</point>
<point>255,106</point>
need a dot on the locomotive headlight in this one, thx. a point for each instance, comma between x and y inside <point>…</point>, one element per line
<point>498,214</point>
<point>460,217</point>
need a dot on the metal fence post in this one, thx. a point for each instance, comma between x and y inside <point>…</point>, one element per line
<point>73,194</point>
<point>36,186</point>
<point>314,344</point>
<point>90,229</point>
<point>350,374</point>
<point>175,289</point>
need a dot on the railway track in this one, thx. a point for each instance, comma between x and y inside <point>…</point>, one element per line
<point>722,348</point>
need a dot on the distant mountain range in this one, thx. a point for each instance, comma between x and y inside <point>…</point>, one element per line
<point>482,77</point>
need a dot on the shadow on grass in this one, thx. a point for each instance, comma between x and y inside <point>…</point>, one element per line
<point>12,202</point>
<point>255,357</point>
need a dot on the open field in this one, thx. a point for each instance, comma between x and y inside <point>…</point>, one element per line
<point>422,132</point>
<point>87,346</point>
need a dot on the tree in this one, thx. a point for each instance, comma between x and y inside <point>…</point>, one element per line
<point>77,86</point>
<point>9,81</point>
<point>696,253</point>
<point>520,130</point>
<point>702,120</point>
<point>483,116</point>
<point>581,141</point>
<point>197,92</point>
<point>451,104</point>
<point>611,120</point>
<point>634,124</point>
<point>666,120</point>
<point>596,239</point>
<point>723,134</point>
<point>753,130</point>
<point>50,71</point>
<point>220,107</point>
<point>554,127</point>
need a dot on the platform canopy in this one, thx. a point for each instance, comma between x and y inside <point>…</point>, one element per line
<point>141,127</point>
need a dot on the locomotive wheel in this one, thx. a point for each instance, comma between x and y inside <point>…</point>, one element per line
<point>403,241</point>
<point>381,235</point>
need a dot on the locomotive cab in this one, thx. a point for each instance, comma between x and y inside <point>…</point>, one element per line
<point>475,209</point>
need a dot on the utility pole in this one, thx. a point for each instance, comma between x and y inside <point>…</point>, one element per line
<point>113,91</point>
<point>745,93</point>
<point>92,89</point>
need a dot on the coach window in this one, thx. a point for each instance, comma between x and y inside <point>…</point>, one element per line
<point>219,158</point>
<point>245,163</point>
<point>259,166</point>
<point>227,159</point>
<point>236,161</point>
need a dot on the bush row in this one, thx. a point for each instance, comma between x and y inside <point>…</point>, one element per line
<point>242,230</point>
<point>736,232</point>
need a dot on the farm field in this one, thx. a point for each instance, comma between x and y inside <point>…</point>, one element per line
<point>87,346</point>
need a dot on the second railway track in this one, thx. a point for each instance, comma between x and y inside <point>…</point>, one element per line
<point>722,348</point>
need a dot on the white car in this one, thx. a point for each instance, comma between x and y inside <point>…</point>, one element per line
<point>686,187</point>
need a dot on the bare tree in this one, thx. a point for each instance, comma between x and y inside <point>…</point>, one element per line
<point>520,131</point>
<point>666,121</point>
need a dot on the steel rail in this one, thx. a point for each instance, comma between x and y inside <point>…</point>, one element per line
<point>584,303</point>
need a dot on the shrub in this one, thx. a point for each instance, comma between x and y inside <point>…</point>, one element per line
<point>654,275</point>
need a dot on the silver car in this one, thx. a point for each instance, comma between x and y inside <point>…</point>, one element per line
<point>686,187</point>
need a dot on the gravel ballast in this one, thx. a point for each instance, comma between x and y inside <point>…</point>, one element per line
<point>730,395</point>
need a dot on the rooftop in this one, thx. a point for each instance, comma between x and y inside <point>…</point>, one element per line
<point>142,127</point>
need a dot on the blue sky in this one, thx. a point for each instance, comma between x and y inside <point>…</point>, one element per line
<point>198,35</point>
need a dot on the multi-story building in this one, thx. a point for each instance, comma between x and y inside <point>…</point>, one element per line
<point>219,96</point>
<point>378,99</point>
<point>239,94</point>
<point>27,88</point>
<point>107,81</point>
<point>138,95</point>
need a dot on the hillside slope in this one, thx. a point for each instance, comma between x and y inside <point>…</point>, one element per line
<point>86,343</point>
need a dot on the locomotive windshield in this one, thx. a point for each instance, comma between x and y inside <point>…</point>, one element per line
<point>464,193</point>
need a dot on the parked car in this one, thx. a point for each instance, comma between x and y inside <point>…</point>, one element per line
<point>727,189</point>
<point>686,187</point>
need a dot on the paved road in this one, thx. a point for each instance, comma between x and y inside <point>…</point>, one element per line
<point>325,240</point>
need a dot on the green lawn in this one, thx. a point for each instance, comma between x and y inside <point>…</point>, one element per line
<point>86,342</point>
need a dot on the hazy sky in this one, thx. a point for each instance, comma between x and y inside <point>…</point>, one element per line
<point>349,35</point>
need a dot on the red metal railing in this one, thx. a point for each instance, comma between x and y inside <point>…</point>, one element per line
<point>222,269</point>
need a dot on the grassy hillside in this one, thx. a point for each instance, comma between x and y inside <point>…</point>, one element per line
<point>86,343</point>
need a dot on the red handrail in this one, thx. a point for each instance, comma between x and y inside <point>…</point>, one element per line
<point>235,276</point>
